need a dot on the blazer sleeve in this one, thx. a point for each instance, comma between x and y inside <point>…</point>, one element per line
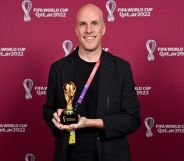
<point>50,107</point>
<point>53,99</point>
<point>128,119</point>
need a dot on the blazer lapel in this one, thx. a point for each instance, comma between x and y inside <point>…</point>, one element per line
<point>68,72</point>
<point>105,83</point>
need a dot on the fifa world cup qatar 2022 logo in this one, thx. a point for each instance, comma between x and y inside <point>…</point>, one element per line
<point>26,6</point>
<point>28,85</point>
<point>30,157</point>
<point>151,45</point>
<point>110,6</point>
<point>67,47</point>
<point>149,123</point>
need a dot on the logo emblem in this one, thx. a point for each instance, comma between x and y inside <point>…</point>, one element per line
<point>110,10</point>
<point>28,84</point>
<point>149,123</point>
<point>27,10</point>
<point>151,45</point>
<point>67,47</point>
<point>29,157</point>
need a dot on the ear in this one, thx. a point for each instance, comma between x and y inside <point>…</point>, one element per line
<point>104,29</point>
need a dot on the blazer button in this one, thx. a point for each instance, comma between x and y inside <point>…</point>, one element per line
<point>98,138</point>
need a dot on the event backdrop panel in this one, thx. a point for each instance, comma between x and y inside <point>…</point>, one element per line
<point>147,34</point>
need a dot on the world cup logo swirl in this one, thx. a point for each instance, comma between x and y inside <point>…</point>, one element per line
<point>151,45</point>
<point>28,84</point>
<point>27,10</point>
<point>67,47</point>
<point>149,123</point>
<point>110,10</point>
<point>29,157</point>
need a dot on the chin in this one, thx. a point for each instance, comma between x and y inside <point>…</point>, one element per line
<point>91,48</point>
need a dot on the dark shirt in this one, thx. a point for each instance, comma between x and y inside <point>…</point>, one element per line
<point>85,147</point>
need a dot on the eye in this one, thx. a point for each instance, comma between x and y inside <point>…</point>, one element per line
<point>95,23</point>
<point>81,24</point>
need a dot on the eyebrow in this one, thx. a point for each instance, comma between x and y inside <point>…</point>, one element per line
<point>91,22</point>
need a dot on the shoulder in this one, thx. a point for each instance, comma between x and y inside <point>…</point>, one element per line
<point>118,61</point>
<point>62,62</point>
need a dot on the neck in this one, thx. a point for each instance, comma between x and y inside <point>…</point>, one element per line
<point>90,56</point>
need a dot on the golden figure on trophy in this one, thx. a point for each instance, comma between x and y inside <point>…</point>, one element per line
<point>69,116</point>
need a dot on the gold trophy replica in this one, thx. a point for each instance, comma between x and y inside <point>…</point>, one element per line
<point>69,115</point>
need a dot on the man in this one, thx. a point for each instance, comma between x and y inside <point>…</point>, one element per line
<point>109,110</point>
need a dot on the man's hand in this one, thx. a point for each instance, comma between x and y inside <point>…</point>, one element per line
<point>83,122</point>
<point>57,121</point>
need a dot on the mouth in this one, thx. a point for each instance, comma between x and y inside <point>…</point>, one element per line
<point>89,37</point>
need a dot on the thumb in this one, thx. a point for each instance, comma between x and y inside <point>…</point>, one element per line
<point>59,111</point>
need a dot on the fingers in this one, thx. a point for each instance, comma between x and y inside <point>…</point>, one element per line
<point>66,127</point>
<point>61,126</point>
<point>59,111</point>
<point>58,114</point>
<point>56,119</point>
<point>74,126</point>
<point>56,123</point>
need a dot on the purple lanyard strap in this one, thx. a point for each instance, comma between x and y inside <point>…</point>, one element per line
<point>80,99</point>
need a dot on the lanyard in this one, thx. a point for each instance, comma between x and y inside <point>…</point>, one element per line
<point>80,99</point>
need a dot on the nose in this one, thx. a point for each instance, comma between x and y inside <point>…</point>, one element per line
<point>89,29</point>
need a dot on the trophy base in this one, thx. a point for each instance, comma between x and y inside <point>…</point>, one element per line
<point>69,117</point>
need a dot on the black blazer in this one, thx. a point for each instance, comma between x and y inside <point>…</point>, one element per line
<point>117,105</point>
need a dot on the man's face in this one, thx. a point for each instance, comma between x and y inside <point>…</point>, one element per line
<point>90,28</point>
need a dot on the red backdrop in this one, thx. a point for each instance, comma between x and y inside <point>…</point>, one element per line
<point>27,49</point>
